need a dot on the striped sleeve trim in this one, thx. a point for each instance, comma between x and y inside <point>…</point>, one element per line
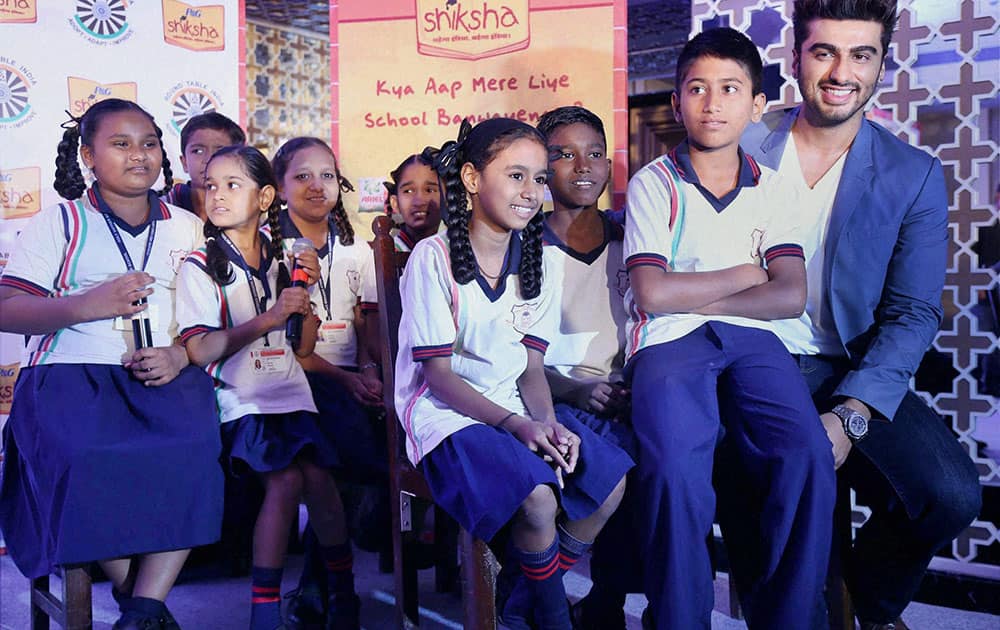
<point>24,285</point>
<point>422,353</point>
<point>785,249</point>
<point>642,260</point>
<point>194,331</point>
<point>369,307</point>
<point>535,343</point>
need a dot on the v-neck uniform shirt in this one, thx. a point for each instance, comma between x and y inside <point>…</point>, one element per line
<point>674,223</point>
<point>348,275</point>
<point>486,333</point>
<point>204,306</point>
<point>590,342</point>
<point>68,249</point>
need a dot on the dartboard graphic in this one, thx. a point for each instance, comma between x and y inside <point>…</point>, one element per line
<point>101,18</point>
<point>191,102</point>
<point>13,95</point>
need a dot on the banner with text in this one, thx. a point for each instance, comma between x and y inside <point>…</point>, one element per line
<point>407,72</point>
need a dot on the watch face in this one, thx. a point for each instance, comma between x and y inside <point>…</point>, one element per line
<point>857,425</point>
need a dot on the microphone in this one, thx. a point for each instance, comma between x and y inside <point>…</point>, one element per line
<point>293,327</point>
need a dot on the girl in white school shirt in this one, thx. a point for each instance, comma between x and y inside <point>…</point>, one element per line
<point>478,312</point>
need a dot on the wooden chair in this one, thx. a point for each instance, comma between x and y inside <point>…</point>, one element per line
<point>73,612</point>
<point>478,566</point>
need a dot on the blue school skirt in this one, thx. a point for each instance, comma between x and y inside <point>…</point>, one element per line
<point>268,442</point>
<point>99,466</point>
<point>356,432</point>
<point>481,475</point>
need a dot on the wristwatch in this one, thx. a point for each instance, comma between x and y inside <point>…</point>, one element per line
<point>855,424</point>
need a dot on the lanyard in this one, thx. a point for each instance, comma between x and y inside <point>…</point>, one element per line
<point>324,288</point>
<point>259,303</point>
<point>115,234</point>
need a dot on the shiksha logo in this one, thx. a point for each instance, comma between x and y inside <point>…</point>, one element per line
<point>18,11</point>
<point>188,100</point>
<point>194,28</point>
<point>84,93</point>
<point>20,192</point>
<point>16,82</point>
<point>102,22</point>
<point>471,29</point>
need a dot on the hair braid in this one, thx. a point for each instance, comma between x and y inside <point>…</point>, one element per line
<point>69,182</point>
<point>168,174</point>
<point>463,259</point>
<point>345,231</point>
<point>530,270</point>
<point>216,261</point>
<point>275,247</point>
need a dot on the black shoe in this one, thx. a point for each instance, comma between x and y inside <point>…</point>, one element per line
<point>133,621</point>
<point>305,610</point>
<point>343,612</point>
<point>167,621</point>
<point>588,614</point>
<point>892,625</point>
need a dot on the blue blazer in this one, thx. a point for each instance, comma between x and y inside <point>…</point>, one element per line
<point>886,255</point>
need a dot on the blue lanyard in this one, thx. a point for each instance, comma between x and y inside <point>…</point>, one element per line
<point>324,289</point>
<point>115,234</point>
<point>259,303</point>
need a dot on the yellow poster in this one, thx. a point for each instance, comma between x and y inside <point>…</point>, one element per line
<point>437,62</point>
<point>20,192</point>
<point>84,92</point>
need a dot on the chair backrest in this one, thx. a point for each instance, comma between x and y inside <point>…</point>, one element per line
<point>388,269</point>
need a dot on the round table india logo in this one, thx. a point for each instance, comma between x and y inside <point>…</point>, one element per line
<point>188,103</point>
<point>13,94</point>
<point>104,19</point>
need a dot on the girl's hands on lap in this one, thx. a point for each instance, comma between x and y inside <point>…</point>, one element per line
<point>157,366</point>
<point>552,441</point>
<point>117,297</point>
<point>367,390</point>
<point>603,398</point>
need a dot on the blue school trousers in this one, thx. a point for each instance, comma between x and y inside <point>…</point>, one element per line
<point>682,391</point>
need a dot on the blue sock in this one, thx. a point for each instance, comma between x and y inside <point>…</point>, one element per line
<point>544,582</point>
<point>339,561</point>
<point>265,602</point>
<point>571,549</point>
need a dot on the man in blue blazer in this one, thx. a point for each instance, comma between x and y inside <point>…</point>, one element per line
<point>874,215</point>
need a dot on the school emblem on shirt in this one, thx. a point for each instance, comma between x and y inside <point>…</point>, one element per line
<point>102,22</point>
<point>466,29</point>
<point>16,82</point>
<point>85,93</point>
<point>354,281</point>
<point>20,192</point>
<point>189,99</point>
<point>756,242</point>
<point>177,257</point>
<point>197,28</point>
<point>18,11</point>
<point>523,316</point>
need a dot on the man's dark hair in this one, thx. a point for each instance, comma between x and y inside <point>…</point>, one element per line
<point>882,11</point>
<point>722,43</point>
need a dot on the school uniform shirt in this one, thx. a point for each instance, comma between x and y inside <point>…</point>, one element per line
<point>180,195</point>
<point>591,340</point>
<point>347,278</point>
<point>69,249</point>
<point>674,223</point>
<point>486,334</point>
<point>262,377</point>
<point>405,243</point>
